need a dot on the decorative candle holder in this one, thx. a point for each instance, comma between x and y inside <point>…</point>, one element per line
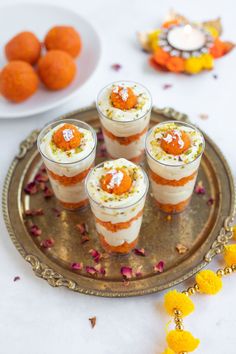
<point>181,46</point>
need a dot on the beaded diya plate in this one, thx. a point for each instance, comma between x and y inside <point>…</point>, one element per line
<point>185,242</point>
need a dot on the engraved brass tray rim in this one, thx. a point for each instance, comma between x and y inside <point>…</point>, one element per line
<point>55,279</point>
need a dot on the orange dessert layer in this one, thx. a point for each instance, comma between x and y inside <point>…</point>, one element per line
<point>123,140</point>
<point>120,225</point>
<point>122,249</point>
<point>68,181</point>
<point>72,206</point>
<point>173,208</point>
<point>171,182</point>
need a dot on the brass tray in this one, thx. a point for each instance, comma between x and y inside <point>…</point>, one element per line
<point>202,228</point>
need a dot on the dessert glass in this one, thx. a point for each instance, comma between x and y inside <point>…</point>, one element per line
<point>118,218</point>
<point>173,177</point>
<point>125,130</point>
<point>68,169</point>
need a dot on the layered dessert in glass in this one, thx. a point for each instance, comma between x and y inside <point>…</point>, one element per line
<point>124,109</point>
<point>174,151</point>
<point>68,149</point>
<point>117,191</point>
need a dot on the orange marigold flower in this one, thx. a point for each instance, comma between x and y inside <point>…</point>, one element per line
<point>168,24</point>
<point>161,57</point>
<point>123,98</point>
<point>66,141</point>
<point>110,183</point>
<point>218,49</point>
<point>175,64</point>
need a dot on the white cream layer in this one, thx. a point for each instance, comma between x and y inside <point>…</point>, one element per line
<point>116,150</point>
<point>166,194</point>
<point>69,194</point>
<point>121,236</point>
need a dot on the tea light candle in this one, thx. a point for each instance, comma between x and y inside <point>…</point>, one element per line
<point>186,38</point>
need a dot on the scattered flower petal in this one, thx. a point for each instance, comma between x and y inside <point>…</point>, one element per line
<point>84,239</point>
<point>34,212</point>
<point>48,193</point>
<point>16,278</point>
<point>83,228</point>
<point>210,201</point>
<point>77,266</point>
<point>116,67</point>
<point>31,188</point>
<point>140,252</point>
<point>100,136</point>
<point>35,230</point>
<point>90,270</point>
<point>48,243</point>
<point>181,248</point>
<point>93,321</point>
<point>96,255</point>
<point>57,212</point>
<point>215,76</point>
<point>203,116</point>
<point>100,269</point>
<point>199,189</point>
<point>138,272</point>
<point>159,267</point>
<point>41,177</point>
<point>42,186</point>
<point>167,86</point>
<point>102,150</point>
<point>127,272</point>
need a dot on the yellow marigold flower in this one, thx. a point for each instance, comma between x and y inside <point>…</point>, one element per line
<point>193,65</point>
<point>153,39</point>
<point>234,232</point>
<point>213,31</point>
<point>230,255</point>
<point>168,351</point>
<point>208,282</point>
<point>207,61</point>
<point>182,341</point>
<point>179,301</point>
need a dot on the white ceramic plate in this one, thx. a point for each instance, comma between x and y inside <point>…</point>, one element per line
<point>39,18</point>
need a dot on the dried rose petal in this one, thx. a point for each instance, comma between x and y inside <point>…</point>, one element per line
<point>127,272</point>
<point>35,230</point>
<point>48,243</point>
<point>140,252</point>
<point>100,136</point>
<point>167,86</point>
<point>90,270</point>
<point>159,267</point>
<point>47,193</point>
<point>34,212</point>
<point>83,228</point>
<point>203,116</point>
<point>42,186</point>
<point>102,150</point>
<point>31,188</point>
<point>138,272</point>
<point>210,201</point>
<point>96,255</point>
<point>16,278</point>
<point>84,239</point>
<point>77,266</point>
<point>43,169</point>
<point>57,212</point>
<point>93,321</point>
<point>100,269</point>
<point>181,248</point>
<point>41,177</point>
<point>116,67</point>
<point>199,189</point>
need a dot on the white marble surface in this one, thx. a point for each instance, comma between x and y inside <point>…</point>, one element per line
<point>35,318</point>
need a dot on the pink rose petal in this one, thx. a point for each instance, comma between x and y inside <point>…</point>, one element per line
<point>100,269</point>
<point>140,252</point>
<point>159,267</point>
<point>48,243</point>
<point>83,228</point>
<point>35,230</point>
<point>90,270</point>
<point>100,136</point>
<point>57,212</point>
<point>167,86</point>
<point>41,177</point>
<point>116,67</point>
<point>127,272</point>
<point>77,266</point>
<point>16,278</point>
<point>34,212</point>
<point>199,189</point>
<point>210,201</point>
<point>102,150</point>
<point>96,255</point>
<point>138,272</point>
<point>31,188</point>
<point>47,193</point>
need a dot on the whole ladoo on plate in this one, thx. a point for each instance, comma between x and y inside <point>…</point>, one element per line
<point>68,150</point>
<point>124,109</point>
<point>117,192</point>
<point>174,151</point>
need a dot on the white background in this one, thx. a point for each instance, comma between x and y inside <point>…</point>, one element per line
<point>38,319</point>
